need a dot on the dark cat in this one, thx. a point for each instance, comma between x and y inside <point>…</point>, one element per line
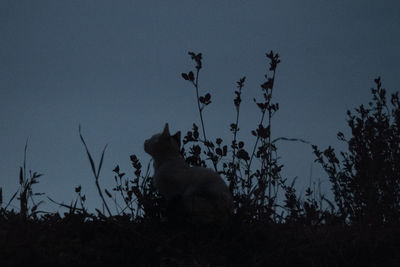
<point>201,191</point>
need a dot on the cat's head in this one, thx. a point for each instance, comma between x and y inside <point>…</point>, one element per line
<point>163,144</point>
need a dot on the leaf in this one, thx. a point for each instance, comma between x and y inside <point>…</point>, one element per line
<point>225,150</point>
<point>116,169</point>
<point>340,136</point>
<point>108,193</point>
<point>242,154</point>
<point>240,83</point>
<point>377,80</point>
<point>191,76</point>
<point>268,84</point>
<point>262,106</point>
<point>133,158</point>
<point>185,76</point>
<point>196,135</point>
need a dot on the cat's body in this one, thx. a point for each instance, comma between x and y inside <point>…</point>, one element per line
<point>203,193</point>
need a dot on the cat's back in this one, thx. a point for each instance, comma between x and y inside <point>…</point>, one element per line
<point>204,175</point>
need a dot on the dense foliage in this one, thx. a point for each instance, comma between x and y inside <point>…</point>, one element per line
<point>366,182</point>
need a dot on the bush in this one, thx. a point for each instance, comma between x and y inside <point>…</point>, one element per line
<point>366,182</point>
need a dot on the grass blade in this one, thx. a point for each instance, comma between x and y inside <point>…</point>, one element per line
<point>11,199</point>
<point>25,149</point>
<point>101,161</point>
<point>290,140</point>
<point>96,174</point>
<point>21,176</point>
<point>87,152</point>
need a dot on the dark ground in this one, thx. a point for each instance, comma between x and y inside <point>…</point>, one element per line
<point>54,241</point>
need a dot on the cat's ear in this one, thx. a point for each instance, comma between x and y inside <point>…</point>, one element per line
<point>166,131</point>
<point>177,138</point>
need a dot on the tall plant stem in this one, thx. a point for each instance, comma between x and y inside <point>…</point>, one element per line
<point>236,129</point>
<point>269,141</point>
<point>196,85</point>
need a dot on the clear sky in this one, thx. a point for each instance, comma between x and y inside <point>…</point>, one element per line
<point>114,67</point>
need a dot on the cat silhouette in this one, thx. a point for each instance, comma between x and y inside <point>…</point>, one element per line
<point>200,191</point>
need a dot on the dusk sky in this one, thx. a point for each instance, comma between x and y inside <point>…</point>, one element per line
<point>115,68</point>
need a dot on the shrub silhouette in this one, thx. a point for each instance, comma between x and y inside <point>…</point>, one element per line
<point>27,202</point>
<point>255,185</point>
<point>254,189</point>
<point>366,182</point>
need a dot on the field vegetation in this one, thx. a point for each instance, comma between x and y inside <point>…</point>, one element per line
<point>272,224</point>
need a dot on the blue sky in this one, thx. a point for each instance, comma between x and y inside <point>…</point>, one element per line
<point>114,67</point>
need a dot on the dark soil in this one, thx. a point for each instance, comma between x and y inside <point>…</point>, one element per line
<point>70,241</point>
